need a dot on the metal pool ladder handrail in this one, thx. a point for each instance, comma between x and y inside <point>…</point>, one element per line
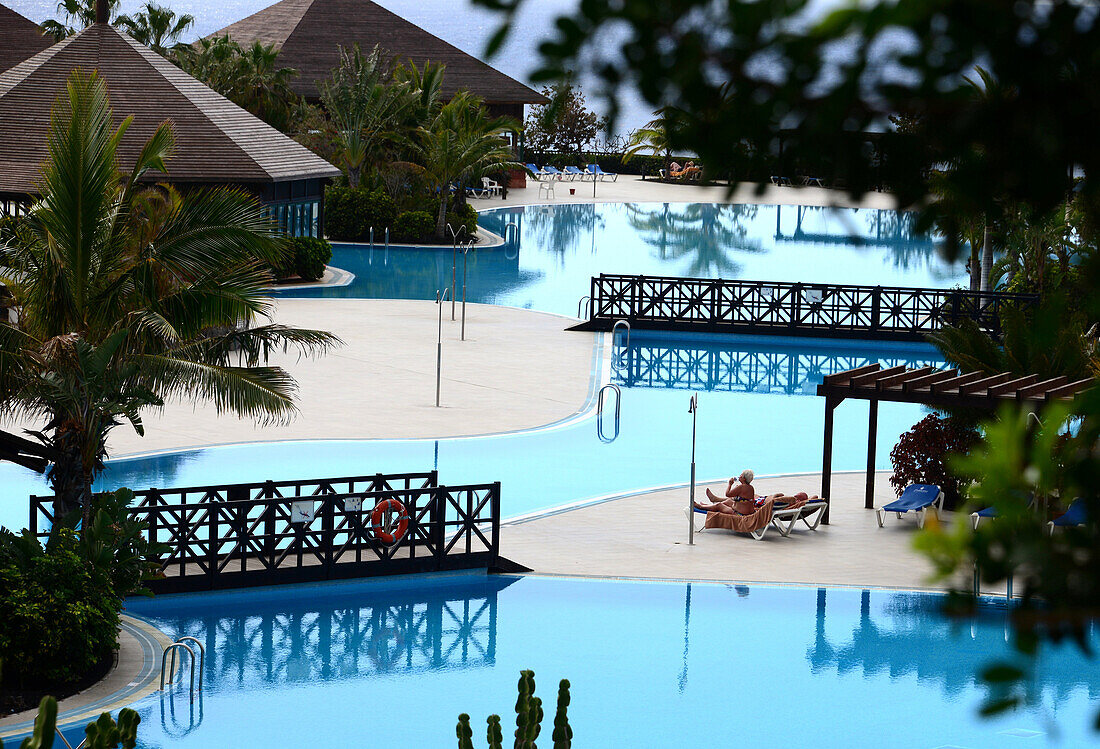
<point>164,661</point>
<point>599,412</point>
<point>585,302</point>
<point>202,655</point>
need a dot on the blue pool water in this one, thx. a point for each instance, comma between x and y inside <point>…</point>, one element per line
<point>767,385</point>
<point>561,247</point>
<point>393,663</point>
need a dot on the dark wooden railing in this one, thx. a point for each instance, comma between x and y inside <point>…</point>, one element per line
<point>780,308</point>
<point>299,531</point>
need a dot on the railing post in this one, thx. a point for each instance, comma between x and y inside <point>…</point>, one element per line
<point>328,509</point>
<point>494,553</point>
<point>438,531</point>
<point>876,309</point>
<point>796,311</point>
<point>212,540</point>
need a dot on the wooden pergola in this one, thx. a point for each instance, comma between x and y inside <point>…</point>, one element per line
<point>939,388</point>
<point>24,452</point>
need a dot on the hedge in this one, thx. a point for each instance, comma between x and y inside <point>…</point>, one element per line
<point>350,213</point>
<point>311,255</point>
<point>414,226</point>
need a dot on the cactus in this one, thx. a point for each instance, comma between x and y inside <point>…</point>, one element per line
<point>563,733</point>
<point>44,724</point>
<point>529,717</point>
<point>523,708</point>
<point>465,735</point>
<point>493,734</point>
<point>104,733</point>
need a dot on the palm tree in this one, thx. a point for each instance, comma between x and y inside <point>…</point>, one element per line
<point>156,27</point>
<point>462,140</point>
<point>653,139</point>
<point>367,106</point>
<point>78,15</point>
<point>130,295</point>
<point>262,87</point>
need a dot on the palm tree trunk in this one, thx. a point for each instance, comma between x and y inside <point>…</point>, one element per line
<point>975,268</point>
<point>441,219</point>
<point>70,482</point>
<point>987,259</point>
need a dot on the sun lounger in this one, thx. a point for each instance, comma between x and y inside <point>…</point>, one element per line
<point>595,171</point>
<point>783,518</point>
<point>1077,514</point>
<point>552,172</point>
<point>574,173</point>
<point>991,512</point>
<point>536,173</point>
<point>916,498</point>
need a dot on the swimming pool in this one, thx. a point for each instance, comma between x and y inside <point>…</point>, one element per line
<point>561,247</point>
<point>768,384</point>
<point>651,665</point>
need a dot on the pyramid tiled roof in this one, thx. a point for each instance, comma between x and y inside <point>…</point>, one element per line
<point>216,141</point>
<point>20,38</point>
<point>309,34</point>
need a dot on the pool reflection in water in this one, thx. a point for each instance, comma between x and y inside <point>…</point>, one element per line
<point>651,665</point>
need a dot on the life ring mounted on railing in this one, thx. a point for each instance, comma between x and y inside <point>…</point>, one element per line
<point>383,524</point>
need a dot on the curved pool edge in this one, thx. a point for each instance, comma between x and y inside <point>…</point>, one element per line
<point>134,678</point>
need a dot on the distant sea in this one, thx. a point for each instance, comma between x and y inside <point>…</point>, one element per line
<point>456,21</point>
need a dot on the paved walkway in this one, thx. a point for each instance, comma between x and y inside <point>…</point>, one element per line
<point>517,369</point>
<point>630,188</point>
<point>645,536</point>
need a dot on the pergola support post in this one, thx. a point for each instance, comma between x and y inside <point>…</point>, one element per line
<point>872,436</point>
<point>827,456</point>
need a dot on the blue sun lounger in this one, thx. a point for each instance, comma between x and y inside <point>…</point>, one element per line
<point>552,171</point>
<point>1077,514</point>
<point>916,498</point>
<point>575,173</point>
<point>991,512</point>
<point>536,173</point>
<point>595,171</point>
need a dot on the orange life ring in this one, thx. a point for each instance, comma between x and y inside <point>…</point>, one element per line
<point>378,524</point>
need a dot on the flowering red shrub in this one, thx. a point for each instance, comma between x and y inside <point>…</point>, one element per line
<point>921,454</point>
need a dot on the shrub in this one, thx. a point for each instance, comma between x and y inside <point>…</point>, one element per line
<point>311,255</point>
<point>465,216</point>
<point>284,266</point>
<point>350,213</point>
<point>413,226</point>
<point>60,613</point>
<point>920,456</point>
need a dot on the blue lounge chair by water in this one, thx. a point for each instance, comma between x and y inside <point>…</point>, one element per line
<point>1077,514</point>
<point>991,512</point>
<point>536,173</point>
<point>595,171</point>
<point>916,498</point>
<point>575,173</point>
<point>552,171</point>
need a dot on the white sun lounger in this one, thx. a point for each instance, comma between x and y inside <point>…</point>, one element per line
<point>783,519</point>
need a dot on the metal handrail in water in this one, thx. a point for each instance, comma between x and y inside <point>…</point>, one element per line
<point>202,655</point>
<point>618,399</point>
<point>615,328</point>
<point>599,412</point>
<point>164,662</point>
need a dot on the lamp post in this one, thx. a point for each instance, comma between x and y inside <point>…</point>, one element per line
<point>465,252</point>
<point>439,299</point>
<point>693,409</point>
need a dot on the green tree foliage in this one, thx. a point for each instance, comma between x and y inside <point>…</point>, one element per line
<point>781,73</point>
<point>565,124</point>
<point>130,295</point>
<point>369,107</point>
<point>157,27</point>
<point>60,612</point>
<point>250,77</point>
<point>102,733</point>
<point>462,142</point>
<point>77,15</point>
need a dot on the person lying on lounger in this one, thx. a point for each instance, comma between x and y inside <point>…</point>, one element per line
<point>741,498</point>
